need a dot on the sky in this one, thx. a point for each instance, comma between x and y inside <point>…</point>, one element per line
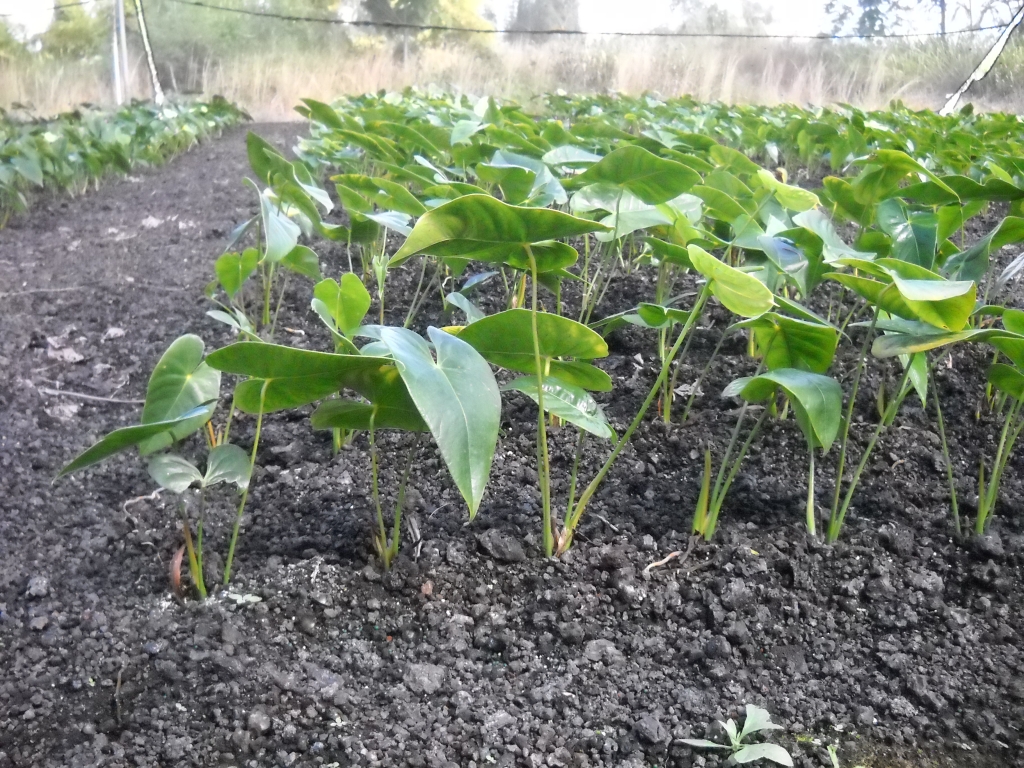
<point>33,16</point>
<point>797,17</point>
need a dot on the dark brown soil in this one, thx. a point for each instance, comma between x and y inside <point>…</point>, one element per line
<point>898,644</point>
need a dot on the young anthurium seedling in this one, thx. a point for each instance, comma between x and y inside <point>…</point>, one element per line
<point>757,721</point>
<point>180,399</point>
<point>225,463</point>
<point>817,404</point>
<point>447,389</point>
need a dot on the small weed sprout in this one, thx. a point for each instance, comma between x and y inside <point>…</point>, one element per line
<point>757,721</point>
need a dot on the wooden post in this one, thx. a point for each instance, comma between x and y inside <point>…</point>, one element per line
<point>158,91</point>
<point>986,63</point>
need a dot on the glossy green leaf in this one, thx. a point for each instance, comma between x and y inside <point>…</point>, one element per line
<point>908,344</point>
<point>651,178</point>
<point>127,437</point>
<point>345,303</point>
<point>817,400</point>
<point>580,374</point>
<point>281,233</point>
<point>389,195</point>
<point>670,253</point>
<point>944,304</point>
<point>973,262</point>
<point>323,113</point>
<point>457,397</point>
<point>471,310</point>
<point>173,472</point>
<point>1007,379</point>
<point>506,339</point>
<point>390,405</point>
<point>739,292</point>
<point>833,246</point>
<point>227,463</point>
<point>233,269</point>
<point>180,382</point>
<point>791,198</point>
<point>757,720</point>
<point>475,222</point>
<point>566,401</point>
<point>750,753</point>
<point>303,261</point>
<point>293,377</point>
<point>785,342</point>
<point>913,235</point>
<point>570,156</point>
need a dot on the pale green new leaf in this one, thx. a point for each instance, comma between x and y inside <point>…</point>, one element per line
<point>227,463</point>
<point>741,293</point>
<point>173,472</point>
<point>568,402</point>
<point>753,752</point>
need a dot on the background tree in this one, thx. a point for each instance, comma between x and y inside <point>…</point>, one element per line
<point>75,34</point>
<point>546,14</point>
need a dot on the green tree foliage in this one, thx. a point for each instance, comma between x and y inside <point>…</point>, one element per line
<point>546,14</point>
<point>10,47</point>
<point>454,13</point>
<point>75,34</point>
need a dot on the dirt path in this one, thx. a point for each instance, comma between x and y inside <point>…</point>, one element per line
<point>477,652</point>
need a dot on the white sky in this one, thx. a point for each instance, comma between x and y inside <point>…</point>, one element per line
<point>797,17</point>
<point>32,16</point>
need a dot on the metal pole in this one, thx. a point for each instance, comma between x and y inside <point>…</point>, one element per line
<point>125,73</point>
<point>116,51</point>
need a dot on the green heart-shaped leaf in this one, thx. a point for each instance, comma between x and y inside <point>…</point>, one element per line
<point>457,397</point>
<point>741,293</point>
<point>180,382</point>
<point>474,222</point>
<point>817,400</point>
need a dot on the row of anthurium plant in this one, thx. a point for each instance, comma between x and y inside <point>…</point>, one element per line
<point>75,150</point>
<point>551,212</point>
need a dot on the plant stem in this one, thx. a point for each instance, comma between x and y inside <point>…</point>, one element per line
<point>199,535</point>
<point>193,562</point>
<point>227,424</point>
<point>396,527</point>
<point>811,526</point>
<point>413,306</point>
<point>836,522</point>
<point>277,309</point>
<point>268,283</point>
<point>575,471</point>
<point>719,500</point>
<point>245,491</point>
<point>381,537</point>
<point>954,506</point>
<point>991,493</point>
<point>700,379</point>
<point>543,461</point>
<point>861,364</point>
<point>591,489</point>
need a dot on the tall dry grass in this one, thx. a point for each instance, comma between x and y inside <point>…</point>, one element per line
<point>269,81</point>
